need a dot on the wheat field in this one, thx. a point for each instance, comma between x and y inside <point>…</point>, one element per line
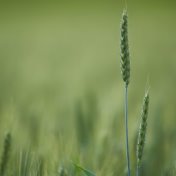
<point>62,95</point>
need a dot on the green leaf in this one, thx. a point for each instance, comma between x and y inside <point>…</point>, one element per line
<point>87,172</point>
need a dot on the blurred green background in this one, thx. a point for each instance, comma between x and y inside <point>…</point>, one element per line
<point>61,92</point>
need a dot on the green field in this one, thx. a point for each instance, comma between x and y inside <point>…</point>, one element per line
<point>61,91</point>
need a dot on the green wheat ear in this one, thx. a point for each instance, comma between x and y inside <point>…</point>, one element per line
<point>142,129</point>
<point>125,58</point>
<point>5,154</point>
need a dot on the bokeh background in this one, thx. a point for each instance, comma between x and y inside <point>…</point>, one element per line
<point>61,92</point>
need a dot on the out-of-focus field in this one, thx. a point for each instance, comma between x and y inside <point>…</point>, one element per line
<point>61,92</point>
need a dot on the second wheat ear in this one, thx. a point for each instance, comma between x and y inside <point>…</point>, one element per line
<point>142,131</point>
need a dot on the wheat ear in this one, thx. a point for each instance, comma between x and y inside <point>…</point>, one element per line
<point>125,58</point>
<point>142,131</point>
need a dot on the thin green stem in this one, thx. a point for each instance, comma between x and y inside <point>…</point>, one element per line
<point>137,171</point>
<point>126,128</point>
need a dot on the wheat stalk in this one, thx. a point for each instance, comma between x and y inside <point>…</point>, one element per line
<point>125,70</point>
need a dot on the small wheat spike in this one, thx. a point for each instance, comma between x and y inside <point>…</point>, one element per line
<point>142,131</point>
<point>125,58</point>
<point>5,154</point>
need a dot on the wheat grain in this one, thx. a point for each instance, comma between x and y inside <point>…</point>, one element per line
<point>125,58</point>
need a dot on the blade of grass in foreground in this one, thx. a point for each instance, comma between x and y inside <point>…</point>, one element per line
<point>87,172</point>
